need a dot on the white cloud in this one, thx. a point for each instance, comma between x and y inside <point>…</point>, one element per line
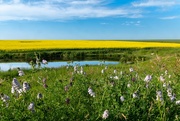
<point>170,17</point>
<point>104,23</point>
<point>155,3</point>
<point>128,23</point>
<point>16,1</point>
<point>61,10</point>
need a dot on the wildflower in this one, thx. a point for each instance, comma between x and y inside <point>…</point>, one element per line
<point>121,73</point>
<point>75,68</point>
<point>16,86</point>
<point>122,98</point>
<point>82,70</point>
<point>173,97</point>
<point>12,90</point>
<point>169,76</point>
<point>5,99</point>
<point>66,88</point>
<point>44,61</point>
<point>169,91</point>
<point>102,71</point>
<point>135,95</point>
<point>164,85</point>
<point>106,67</point>
<point>159,96</point>
<point>105,114</point>
<point>26,86</point>
<point>31,107</point>
<point>166,72</point>
<point>115,71</point>
<point>116,77</point>
<point>161,78</point>
<point>136,75</point>
<point>44,80</point>
<point>39,96</point>
<point>128,85</point>
<point>112,84</point>
<point>45,85</point>
<point>67,100</point>
<point>90,91</point>
<point>21,73</point>
<point>178,102</point>
<point>131,69</point>
<point>170,94</point>
<point>148,78</point>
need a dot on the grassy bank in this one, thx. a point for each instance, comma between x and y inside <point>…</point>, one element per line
<point>66,97</point>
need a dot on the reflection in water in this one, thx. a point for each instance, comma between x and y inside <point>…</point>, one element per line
<point>13,65</point>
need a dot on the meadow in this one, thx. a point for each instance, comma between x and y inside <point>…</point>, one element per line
<point>78,44</point>
<point>145,90</point>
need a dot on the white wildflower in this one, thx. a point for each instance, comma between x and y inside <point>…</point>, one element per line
<point>128,85</point>
<point>12,90</point>
<point>82,70</point>
<point>159,96</point>
<point>39,96</point>
<point>44,61</point>
<point>26,86</point>
<point>121,73</point>
<point>16,86</point>
<point>116,77</point>
<point>102,71</point>
<point>148,78</point>
<point>21,73</point>
<point>131,69</point>
<point>178,102</point>
<point>115,71</point>
<point>166,72</point>
<point>161,78</point>
<point>164,85</point>
<point>169,91</point>
<point>135,95</point>
<point>75,68</point>
<point>90,91</point>
<point>159,93</point>
<point>122,98</point>
<point>169,76</point>
<point>105,114</point>
<point>137,75</point>
<point>5,98</point>
<point>106,67</point>
<point>31,107</point>
<point>173,97</point>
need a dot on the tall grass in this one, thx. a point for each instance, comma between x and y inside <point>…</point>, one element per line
<point>66,95</point>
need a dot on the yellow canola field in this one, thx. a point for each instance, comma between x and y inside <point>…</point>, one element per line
<point>77,44</point>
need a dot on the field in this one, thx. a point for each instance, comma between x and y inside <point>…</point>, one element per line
<point>145,90</point>
<point>75,44</point>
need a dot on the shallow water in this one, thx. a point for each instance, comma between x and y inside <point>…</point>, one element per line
<point>11,65</point>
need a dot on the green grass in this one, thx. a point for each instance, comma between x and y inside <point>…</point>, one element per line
<point>82,106</point>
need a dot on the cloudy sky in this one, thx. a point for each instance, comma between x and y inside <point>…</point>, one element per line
<point>90,19</point>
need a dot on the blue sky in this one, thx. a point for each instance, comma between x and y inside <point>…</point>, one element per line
<point>90,19</point>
